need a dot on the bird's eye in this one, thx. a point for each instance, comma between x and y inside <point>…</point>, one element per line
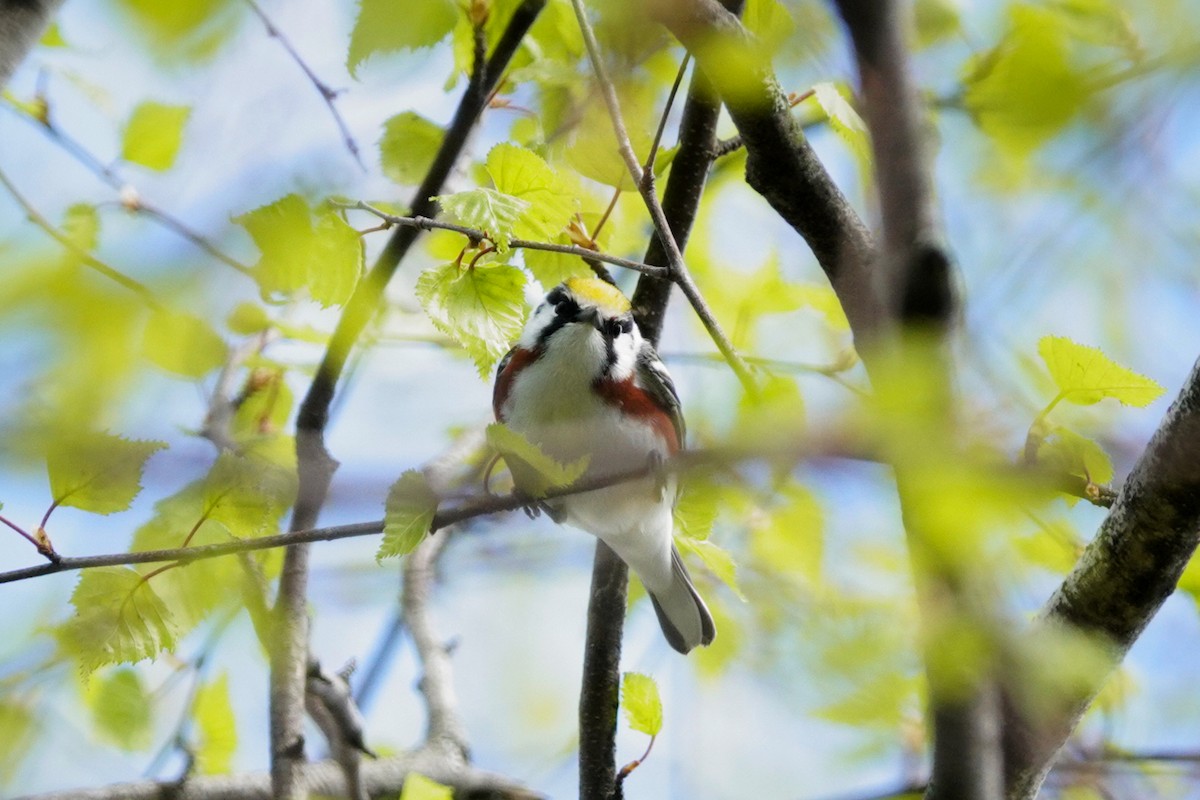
<point>615,327</point>
<point>567,308</point>
<point>626,325</point>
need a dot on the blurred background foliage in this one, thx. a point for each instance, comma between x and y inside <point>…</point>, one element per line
<point>173,270</point>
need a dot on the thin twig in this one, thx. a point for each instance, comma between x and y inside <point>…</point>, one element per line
<point>476,235</point>
<point>34,216</point>
<point>645,183</point>
<point>130,198</point>
<point>327,94</point>
<point>648,167</point>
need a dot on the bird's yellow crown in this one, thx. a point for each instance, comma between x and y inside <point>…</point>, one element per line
<point>604,296</point>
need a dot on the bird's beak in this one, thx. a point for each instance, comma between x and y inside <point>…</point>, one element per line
<point>592,317</point>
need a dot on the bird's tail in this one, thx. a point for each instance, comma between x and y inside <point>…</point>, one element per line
<point>685,619</point>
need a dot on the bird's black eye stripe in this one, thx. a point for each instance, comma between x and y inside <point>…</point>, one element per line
<point>556,296</point>
<point>626,325</point>
<point>567,308</point>
<point>617,326</point>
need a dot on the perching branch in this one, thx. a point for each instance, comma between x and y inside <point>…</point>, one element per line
<point>476,235</point>
<point>327,94</point>
<point>314,463</point>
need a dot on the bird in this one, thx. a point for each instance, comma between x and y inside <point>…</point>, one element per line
<point>582,381</point>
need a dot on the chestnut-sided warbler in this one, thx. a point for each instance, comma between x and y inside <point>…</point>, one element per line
<point>581,381</point>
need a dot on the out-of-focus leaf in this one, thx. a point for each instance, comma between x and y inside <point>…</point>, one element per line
<point>411,504</point>
<point>789,539</point>
<point>386,26</point>
<point>641,703</point>
<point>121,709</point>
<point>216,728</point>
<point>936,20</point>
<point>183,343</point>
<point>418,787</point>
<point>408,147</point>
<point>551,269</point>
<point>20,726</point>
<point>1084,375</point>
<point>1068,452</point>
<point>844,120</point>
<point>182,29</point>
<point>154,134</point>
<point>81,225</point>
<point>1026,90</point>
<point>98,472</point>
<point>719,561</point>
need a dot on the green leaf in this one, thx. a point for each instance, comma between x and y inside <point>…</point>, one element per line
<point>1025,90</point>
<point>717,559</point>
<point>551,269</point>
<point>769,21</point>
<point>1085,376</point>
<point>418,787</point>
<point>487,210</point>
<point>1073,454</point>
<point>118,619</point>
<point>53,37</point>
<point>81,224</point>
<point>697,507</point>
<point>844,120</point>
<point>182,28</point>
<point>121,709</point>
<point>20,726</point>
<point>183,343</point>
<point>154,134</point>
<point>386,26</point>
<point>408,147</point>
<point>98,472</point>
<point>248,318</point>
<point>936,20</point>
<point>247,494</point>
<point>482,308</point>
<point>789,540</point>
<point>639,699</point>
<point>336,261</point>
<point>523,174</point>
<point>300,250</point>
<point>411,505</point>
<point>216,728</point>
<point>537,471</point>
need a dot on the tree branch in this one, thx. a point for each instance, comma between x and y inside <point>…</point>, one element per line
<point>314,463</point>
<point>476,235</point>
<point>1122,579</point>
<point>780,164</point>
<point>381,779</point>
<point>327,94</point>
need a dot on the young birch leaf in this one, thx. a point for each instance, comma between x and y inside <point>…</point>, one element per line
<point>216,728</point>
<point>118,619</point>
<point>523,174</point>
<point>769,21</point>
<point>551,269</point>
<point>98,472</point>
<point>1073,454</point>
<point>411,505</point>
<point>408,147</point>
<point>488,210</point>
<point>183,343</point>
<point>846,122</point>
<point>539,472</point>
<point>418,787</point>
<point>639,699</point>
<point>335,262</point>
<point>153,135</point>
<point>121,709</point>
<point>1085,376</point>
<point>483,308</point>
<point>322,255</point>
<point>386,26</point>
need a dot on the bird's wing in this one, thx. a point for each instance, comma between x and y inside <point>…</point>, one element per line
<point>652,376</point>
